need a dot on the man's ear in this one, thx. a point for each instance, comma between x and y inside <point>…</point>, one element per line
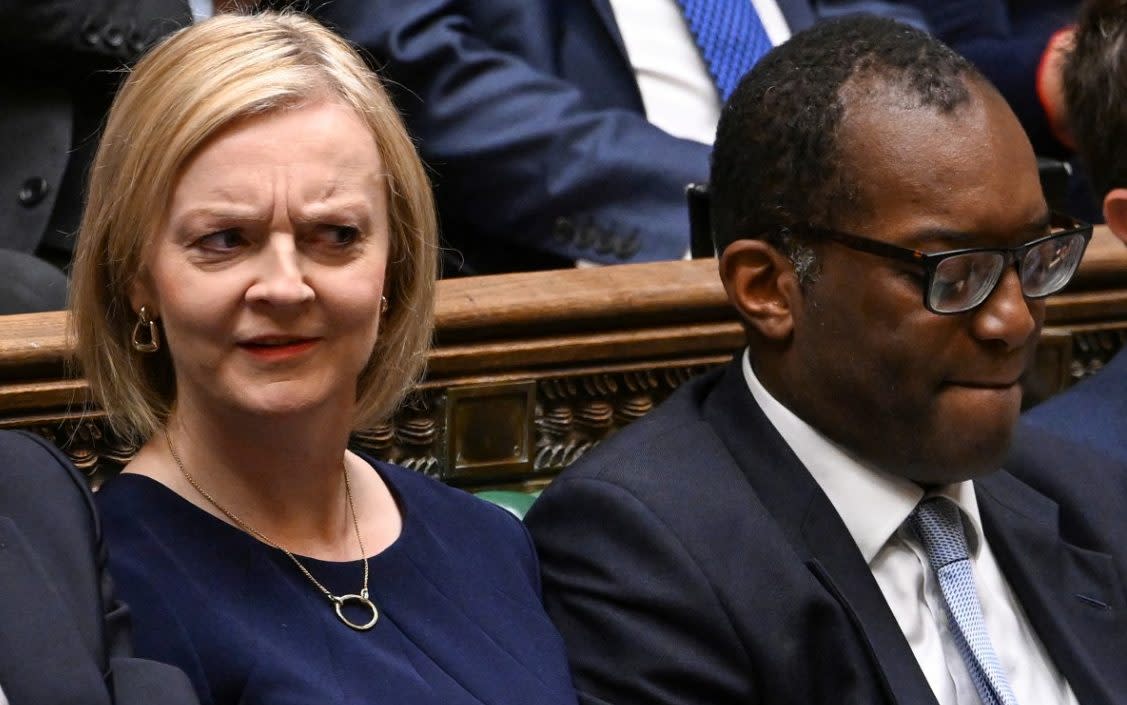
<point>762,286</point>
<point>1115,212</point>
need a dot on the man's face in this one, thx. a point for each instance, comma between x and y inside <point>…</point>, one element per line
<point>930,397</point>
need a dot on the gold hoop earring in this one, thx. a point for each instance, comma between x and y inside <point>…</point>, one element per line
<point>140,344</point>
<point>383,304</point>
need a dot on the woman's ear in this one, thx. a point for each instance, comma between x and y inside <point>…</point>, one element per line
<point>141,294</point>
<point>762,286</point>
<point>1115,212</point>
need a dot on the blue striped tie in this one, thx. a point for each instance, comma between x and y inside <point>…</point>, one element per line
<point>730,36</point>
<point>938,524</point>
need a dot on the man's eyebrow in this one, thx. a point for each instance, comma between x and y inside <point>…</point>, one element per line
<point>922,239</point>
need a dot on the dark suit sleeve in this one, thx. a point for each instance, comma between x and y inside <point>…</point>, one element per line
<point>42,492</point>
<point>892,9</point>
<point>518,153</point>
<point>1005,40</point>
<point>132,681</point>
<point>46,32</point>
<point>641,621</point>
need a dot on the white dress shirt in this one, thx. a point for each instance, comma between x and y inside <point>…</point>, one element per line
<point>201,10</point>
<point>873,505</point>
<point>677,90</point>
<point>3,698</point>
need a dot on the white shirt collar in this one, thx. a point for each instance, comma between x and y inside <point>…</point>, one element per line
<point>872,503</point>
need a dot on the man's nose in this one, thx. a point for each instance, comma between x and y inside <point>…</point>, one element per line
<point>1006,315</point>
<point>280,277</point>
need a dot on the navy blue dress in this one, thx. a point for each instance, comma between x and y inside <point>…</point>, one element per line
<point>458,593</point>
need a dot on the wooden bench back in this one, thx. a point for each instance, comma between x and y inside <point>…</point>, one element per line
<point>530,370</point>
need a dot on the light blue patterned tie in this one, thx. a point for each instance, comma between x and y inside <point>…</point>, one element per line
<point>731,38</point>
<point>939,525</point>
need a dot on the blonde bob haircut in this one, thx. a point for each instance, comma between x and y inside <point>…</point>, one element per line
<point>185,91</point>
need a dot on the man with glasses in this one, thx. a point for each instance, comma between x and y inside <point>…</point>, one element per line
<point>1094,412</point>
<point>831,518</point>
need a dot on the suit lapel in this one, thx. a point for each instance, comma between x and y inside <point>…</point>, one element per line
<point>841,568</point>
<point>42,658</point>
<point>816,532</point>
<point>606,14</point>
<point>1072,596</point>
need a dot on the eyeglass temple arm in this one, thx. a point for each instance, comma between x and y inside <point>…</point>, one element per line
<point>874,247</point>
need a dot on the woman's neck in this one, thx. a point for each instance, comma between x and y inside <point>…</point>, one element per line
<point>281,475</point>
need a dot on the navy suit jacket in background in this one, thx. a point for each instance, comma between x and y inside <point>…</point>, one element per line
<point>692,560</point>
<point>62,61</point>
<point>1093,413</point>
<point>531,119</point>
<point>63,638</point>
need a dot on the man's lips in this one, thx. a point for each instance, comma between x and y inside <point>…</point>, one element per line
<point>1001,383</point>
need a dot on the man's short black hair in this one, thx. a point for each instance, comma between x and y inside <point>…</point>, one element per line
<point>776,162</point>
<point>1095,88</point>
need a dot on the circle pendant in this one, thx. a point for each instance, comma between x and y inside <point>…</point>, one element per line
<point>340,602</point>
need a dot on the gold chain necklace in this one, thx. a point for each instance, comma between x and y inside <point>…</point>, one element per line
<point>338,601</point>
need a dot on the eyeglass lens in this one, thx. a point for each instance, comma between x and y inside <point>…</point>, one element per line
<point>962,282</point>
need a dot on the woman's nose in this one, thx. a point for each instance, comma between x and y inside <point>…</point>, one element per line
<point>280,277</point>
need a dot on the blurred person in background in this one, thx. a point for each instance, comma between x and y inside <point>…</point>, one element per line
<point>1094,412</point>
<point>567,130</point>
<point>63,61</point>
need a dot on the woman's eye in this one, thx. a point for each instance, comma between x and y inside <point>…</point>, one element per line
<point>222,241</point>
<point>340,235</point>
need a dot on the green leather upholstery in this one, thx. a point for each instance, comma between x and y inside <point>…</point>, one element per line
<point>516,503</point>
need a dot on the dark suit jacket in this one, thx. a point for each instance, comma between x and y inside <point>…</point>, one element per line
<point>530,116</point>
<point>692,559</point>
<point>1093,413</point>
<point>61,61</point>
<point>63,639</point>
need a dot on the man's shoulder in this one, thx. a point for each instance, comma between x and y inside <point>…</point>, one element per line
<point>667,467</point>
<point>673,434</point>
<point>1085,488</point>
<point>34,472</point>
<point>1061,467</point>
<point>1093,413</point>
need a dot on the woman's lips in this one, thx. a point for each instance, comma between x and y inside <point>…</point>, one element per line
<point>278,349</point>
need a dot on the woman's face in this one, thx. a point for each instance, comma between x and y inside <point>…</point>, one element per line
<point>268,272</point>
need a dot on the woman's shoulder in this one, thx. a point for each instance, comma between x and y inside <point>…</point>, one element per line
<point>453,512</point>
<point>130,495</point>
<point>139,512</point>
<point>418,491</point>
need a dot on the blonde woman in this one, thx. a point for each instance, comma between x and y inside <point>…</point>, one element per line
<point>254,280</point>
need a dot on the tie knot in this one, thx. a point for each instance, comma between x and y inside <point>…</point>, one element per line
<point>938,523</point>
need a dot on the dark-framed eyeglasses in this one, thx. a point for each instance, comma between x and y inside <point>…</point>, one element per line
<point>960,280</point>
